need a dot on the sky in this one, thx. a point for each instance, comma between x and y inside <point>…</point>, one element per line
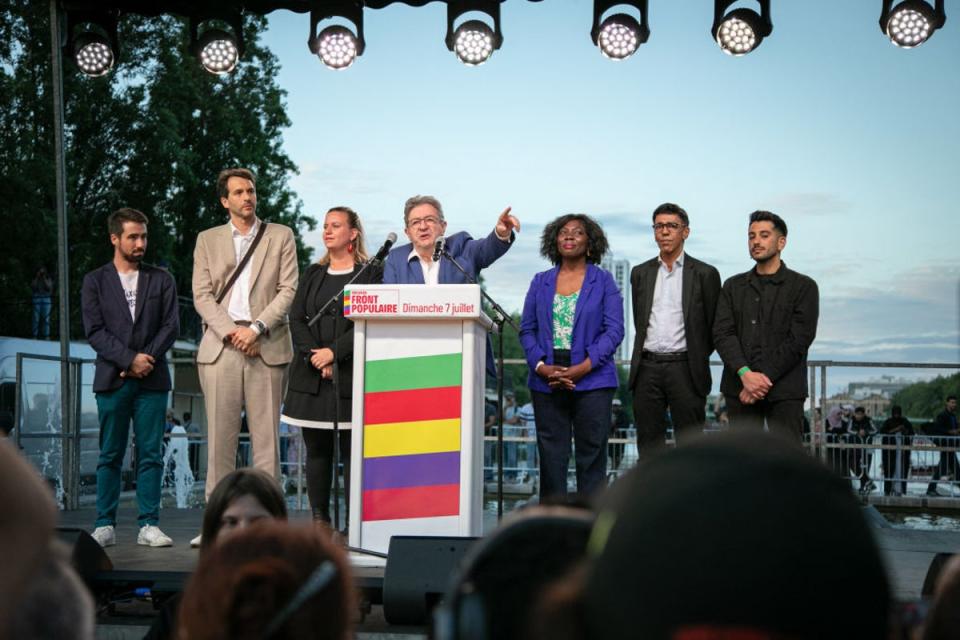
<point>855,142</point>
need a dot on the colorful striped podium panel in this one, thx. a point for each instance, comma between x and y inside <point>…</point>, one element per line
<point>411,438</point>
<point>418,436</point>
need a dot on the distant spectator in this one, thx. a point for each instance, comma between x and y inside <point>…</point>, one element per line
<point>193,430</point>
<point>944,429</point>
<point>896,431</point>
<point>861,431</point>
<point>41,287</point>
<point>737,536</point>
<point>272,580</point>
<point>836,430</point>
<point>619,423</point>
<point>54,602</point>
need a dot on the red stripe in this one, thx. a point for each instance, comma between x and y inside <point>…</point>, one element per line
<point>439,403</point>
<point>411,502</point>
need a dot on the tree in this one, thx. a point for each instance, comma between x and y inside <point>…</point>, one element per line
<point>925,399</point>
<point>152,135</point>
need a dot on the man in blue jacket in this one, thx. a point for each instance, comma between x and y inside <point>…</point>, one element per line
<point>131,319</point>
<point>424,223</point>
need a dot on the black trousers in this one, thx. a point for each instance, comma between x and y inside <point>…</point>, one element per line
<point>947,465</point>
<point>784,417</point>
<point>661,385</point>
<point>319,469</point>
<point>894,480</point>
<point>586,416</point>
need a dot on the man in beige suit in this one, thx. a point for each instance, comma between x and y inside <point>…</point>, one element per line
<point>243,355</point>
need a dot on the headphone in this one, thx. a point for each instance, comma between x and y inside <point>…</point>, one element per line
<point>503,574</point>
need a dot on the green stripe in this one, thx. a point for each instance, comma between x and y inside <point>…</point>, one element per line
<point>419,372</point>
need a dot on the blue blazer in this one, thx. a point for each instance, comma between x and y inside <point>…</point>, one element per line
<point>472,255</point>
<point>597,327</point>
<point>116,337</point>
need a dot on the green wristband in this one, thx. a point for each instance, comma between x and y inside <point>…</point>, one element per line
<point>743,370</point>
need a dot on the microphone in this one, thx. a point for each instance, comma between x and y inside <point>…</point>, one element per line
<point>385,249</point>
<point>438,248</point>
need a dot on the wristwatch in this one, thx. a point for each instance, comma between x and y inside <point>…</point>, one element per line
<point>262,327</point>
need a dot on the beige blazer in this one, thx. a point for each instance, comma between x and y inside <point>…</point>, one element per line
<point>273,282</point>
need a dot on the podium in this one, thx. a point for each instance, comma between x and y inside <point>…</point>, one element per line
<point>418,383</point>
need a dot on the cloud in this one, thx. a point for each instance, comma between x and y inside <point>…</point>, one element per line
<point>811,203</point>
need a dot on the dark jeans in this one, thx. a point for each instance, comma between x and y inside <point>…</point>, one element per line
<point>784,417</point>
<point>116,409</point>
<point>948,462</point>
<point>661,385</point>
<point>319,470</point>
<point>896,464</point>
<point>586,416</point>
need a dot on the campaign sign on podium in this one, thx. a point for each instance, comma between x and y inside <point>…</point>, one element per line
<point>418,380</point>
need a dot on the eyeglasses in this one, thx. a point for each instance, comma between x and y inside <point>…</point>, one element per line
<point>667,226</point>
<point>429,220</point>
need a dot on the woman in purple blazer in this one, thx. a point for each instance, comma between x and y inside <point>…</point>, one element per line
<point>572,324</point>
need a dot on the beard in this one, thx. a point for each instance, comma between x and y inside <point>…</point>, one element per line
<point>132,257</point>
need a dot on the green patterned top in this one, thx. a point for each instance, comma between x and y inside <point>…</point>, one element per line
<point>563,310</point>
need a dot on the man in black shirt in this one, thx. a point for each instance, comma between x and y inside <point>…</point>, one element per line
<point>861,431</point>
<point>766,320</point>
<point>943,426</point>
<point>896,431</point>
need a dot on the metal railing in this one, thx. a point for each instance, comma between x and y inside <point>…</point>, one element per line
<point>66,450</point>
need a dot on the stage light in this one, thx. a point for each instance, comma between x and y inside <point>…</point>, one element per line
<point>473,41</point>
<point>337,46</point>
<point>912,22</point>
<point>217,50</point>
<point>620,34</point>
<point>742,30</point>
<point>92,41</point>
<point>93,55</point>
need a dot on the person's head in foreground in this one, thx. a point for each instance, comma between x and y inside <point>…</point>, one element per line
<point>241,498</point>
<point>271,580</point>
<point>735,537</point>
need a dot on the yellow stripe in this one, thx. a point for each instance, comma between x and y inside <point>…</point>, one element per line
<point>410,438</point>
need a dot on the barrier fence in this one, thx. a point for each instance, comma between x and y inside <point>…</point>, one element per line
<point>886,467</point>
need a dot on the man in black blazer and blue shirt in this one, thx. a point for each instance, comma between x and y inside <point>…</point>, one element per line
<point>674,302</point>
<point>131,319</point>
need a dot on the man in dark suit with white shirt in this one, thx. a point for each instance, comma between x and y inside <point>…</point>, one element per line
<point>131,319</point>
<point>674,302</point>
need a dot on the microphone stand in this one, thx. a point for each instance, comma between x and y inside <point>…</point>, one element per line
<point>502,318</point>
<point>336,405</point>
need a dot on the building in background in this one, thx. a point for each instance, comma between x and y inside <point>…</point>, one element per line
<point>621,275</point>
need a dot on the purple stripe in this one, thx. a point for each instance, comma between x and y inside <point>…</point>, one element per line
<point>420,470</point>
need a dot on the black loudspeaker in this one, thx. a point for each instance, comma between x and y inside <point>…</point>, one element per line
<point>936,566</point>
<point>86,556</point>
<point>418,573</point>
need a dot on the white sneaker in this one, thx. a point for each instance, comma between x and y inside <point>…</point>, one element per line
<point>105,536</point>
<point>151,536</point>
<point>195,543</point>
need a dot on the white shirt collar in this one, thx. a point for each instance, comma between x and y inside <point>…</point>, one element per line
<point>236,232</point>
<point>676,263</point>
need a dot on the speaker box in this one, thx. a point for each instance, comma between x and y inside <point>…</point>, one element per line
<point>418,573</point>
<point>86,556</point>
